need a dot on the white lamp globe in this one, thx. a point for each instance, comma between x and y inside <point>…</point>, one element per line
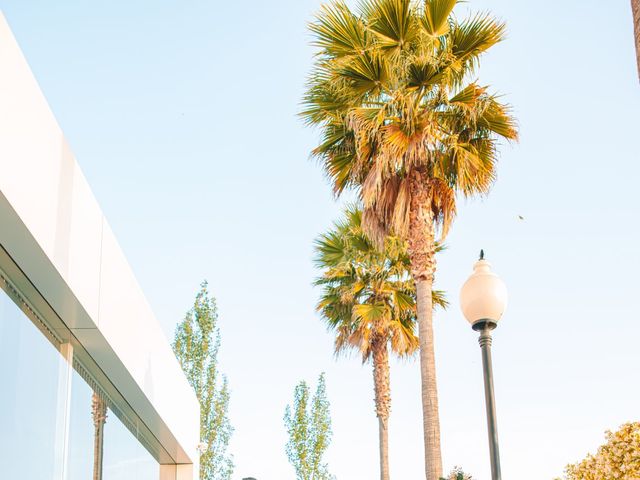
<point>483,296</point>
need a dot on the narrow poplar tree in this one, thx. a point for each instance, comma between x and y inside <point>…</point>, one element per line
<point>308,423</point>
<point>196,344</point>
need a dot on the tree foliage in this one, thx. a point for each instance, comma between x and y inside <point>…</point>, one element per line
<point>617,459</point>
<point>308,424</point>
<point>196,344</point>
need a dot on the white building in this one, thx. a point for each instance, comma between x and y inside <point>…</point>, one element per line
<point>76,333</point>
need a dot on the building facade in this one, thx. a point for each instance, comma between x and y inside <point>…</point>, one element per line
<point>90,386</point>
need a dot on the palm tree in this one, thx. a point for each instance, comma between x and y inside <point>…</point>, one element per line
<point>368,298</point>
<point>402,124</point>
<point>635,8</point>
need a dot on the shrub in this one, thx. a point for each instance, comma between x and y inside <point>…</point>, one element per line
<point>617,459</point>
<point>458,474</point>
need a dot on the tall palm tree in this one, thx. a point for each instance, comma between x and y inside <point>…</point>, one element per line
<point>635,8</point>
<point>404,125</point>
<point>368,298</point>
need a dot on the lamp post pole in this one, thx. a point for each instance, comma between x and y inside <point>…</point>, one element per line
<point>483,299</point>
<point>485,327</point>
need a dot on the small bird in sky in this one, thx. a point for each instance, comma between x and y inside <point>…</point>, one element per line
<point>520,217</point>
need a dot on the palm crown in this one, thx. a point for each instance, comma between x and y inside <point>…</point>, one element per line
<point>391,89</point>
<point>367,294</point>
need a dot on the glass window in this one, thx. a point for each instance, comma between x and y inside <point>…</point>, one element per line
<point>81,431</point>
<point>41,412</point>
<point>96,431</point>
<point>124,456</point>
<point>31,410</point>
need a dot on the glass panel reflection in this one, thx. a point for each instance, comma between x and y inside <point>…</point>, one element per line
<point>38,411</point>
<point>124,456</point>
<point>81,431</point>
<point>29,404</point>
<point>101,447</point>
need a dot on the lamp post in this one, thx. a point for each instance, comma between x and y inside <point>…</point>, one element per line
<point>483,299</point>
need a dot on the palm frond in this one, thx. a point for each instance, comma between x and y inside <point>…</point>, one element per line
<point>439,298</point>
<point>424,74</point>
<point>497,119</point>
<point>474,36</point>
<point>338,32</point>
<point>436,16</point>
<point>366,73</point>
<point>392,21</point>
<point>468,96</point>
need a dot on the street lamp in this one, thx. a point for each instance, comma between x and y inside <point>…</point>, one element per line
<point>483,299</point>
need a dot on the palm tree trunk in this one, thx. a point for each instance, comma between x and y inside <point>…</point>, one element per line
<point>422,254</point>
<point>635,8</point>
<point>99,413</point>
<point>383,434</point>
<point>430,411</point>
<point>382,391</point>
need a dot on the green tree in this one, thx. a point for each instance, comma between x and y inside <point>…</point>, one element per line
<point>403,123</point>
<point>369,300</point>
<point>617,459</point>
<point>196,344</point>
<point>308,424</point>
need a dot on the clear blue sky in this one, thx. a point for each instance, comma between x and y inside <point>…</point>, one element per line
<point>182,116</point>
